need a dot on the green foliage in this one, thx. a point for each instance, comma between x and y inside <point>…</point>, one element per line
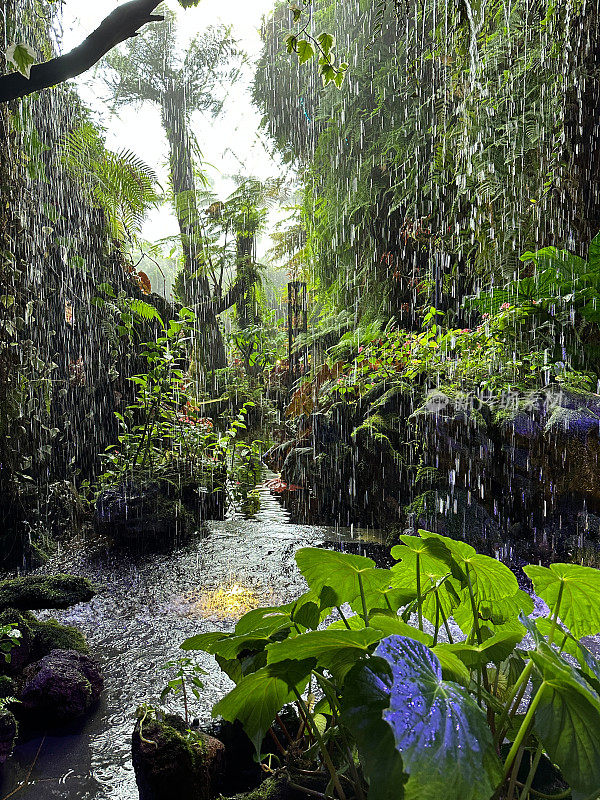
<point>161,435</point>
<point>187,680</point>
<point>119,182</point>
<point>409,711</point>
<point>9,639</point>
<point>20,56</point>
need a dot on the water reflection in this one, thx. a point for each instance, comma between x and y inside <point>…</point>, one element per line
<point>147,604</point>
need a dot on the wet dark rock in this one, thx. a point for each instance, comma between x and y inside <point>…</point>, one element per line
<point>50,591</point>
<point>580,423</point>
<point>61,687</point>
<point>172,762</point>
<point>135,513</point>
<point>8,734</point>
<point>7,687</point>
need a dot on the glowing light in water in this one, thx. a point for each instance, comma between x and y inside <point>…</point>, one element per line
<point>230,601</point>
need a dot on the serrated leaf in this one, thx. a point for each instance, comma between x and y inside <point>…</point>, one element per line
<point>390,625</point>
<point>494,650</point>
<point>332,649</point>
<point>338,574</point>
<point>325,41</point>
<point>439,729</point>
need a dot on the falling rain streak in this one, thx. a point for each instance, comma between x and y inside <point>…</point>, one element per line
<point>324,459</point>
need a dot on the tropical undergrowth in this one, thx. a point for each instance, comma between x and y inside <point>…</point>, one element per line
<point>164,436</point>
<point>429,679</point>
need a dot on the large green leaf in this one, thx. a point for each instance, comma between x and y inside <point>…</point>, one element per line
<point>580,602</point>
<point>204,641</point>
<point>365,696</point>
<point>439,729</point>
<point>490,578</point>
<point>432,555</point>
<point>273,618</point>
<point>334,649</point>
<point>389,625</point>
<point>494,650</point>
<point>339,573</point>
<point>567,722</point>
<point>594,256</point>
<point>258,697</point>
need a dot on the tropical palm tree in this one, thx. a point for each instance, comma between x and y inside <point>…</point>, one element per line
<point>151,69</point>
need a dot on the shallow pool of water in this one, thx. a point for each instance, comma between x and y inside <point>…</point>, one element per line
<point>147,604</point>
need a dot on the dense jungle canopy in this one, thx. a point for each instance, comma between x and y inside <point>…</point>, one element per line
<point>300,399</point>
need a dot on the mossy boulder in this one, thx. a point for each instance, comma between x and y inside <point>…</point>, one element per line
<point>38,638</point>
<point>170,761</point>
<point>49,635</point>
<point>33,592</point>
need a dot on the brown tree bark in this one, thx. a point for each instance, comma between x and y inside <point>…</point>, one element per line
<point>196,285</point>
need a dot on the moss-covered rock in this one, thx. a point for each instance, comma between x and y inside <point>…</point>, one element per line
<point>169,761</point>
<point>38,638</point>
<point>33,592</point>
<point>51,635</point>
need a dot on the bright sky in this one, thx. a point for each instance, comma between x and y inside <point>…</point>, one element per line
<point>233,143</point>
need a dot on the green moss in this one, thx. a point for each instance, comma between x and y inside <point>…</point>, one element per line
<point>51,635</point>
<point>40,637</point>
<point>271,789</point>
<point>37,592</point>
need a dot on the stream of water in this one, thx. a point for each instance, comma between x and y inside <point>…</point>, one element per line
<point>147,604</point>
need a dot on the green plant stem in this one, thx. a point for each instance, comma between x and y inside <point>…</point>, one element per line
<point>474,608</point>
<point>363,599</point>
<point>513,777</point>
<point>446,626</point>
<point>514,701</point>
<point>309,792</point>
<point>419,598</point>
<point>534,765</point>
<point>526,723</point>
<point>537,793</point>
<point>523,730</point>
<point>324,752</point>
<point>344,620</point>
<point>437,618</point>
<point>555,615</point>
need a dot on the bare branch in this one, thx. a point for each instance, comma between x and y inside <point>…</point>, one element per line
<point>121,24</point>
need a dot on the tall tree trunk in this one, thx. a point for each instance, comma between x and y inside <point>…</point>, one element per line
<point>196,287</point>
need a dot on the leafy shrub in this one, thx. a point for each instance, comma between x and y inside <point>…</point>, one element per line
<point>394,702</point>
